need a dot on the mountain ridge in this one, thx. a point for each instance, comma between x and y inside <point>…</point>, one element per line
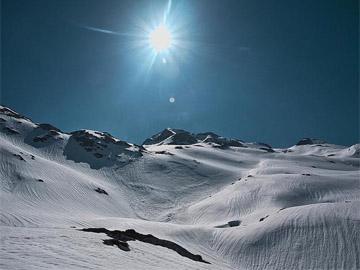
<point>193,138</point>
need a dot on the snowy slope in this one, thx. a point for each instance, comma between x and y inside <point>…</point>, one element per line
<point>239,205</point>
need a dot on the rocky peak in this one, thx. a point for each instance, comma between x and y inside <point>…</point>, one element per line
<point>309,141</point>
<point>182,137</point>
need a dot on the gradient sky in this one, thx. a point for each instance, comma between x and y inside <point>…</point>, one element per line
<point>269,71</point>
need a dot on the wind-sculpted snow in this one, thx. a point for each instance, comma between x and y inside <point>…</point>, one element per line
<point>236,204</point>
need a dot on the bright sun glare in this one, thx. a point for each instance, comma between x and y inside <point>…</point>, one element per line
<point>160,38</point>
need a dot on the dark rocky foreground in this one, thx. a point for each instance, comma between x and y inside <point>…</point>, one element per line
<point>120,239</point>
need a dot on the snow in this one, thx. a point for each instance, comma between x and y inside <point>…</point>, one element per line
<point>238,207</point>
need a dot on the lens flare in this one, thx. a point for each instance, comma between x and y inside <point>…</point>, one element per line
<point>160,38</point>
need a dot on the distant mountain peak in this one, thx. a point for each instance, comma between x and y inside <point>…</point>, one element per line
<point>308,141</point>
<point>98,149</point>
<point>170,136</point>
<point>9,112</point>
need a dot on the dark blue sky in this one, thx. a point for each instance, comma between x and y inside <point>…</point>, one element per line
<point>271,71</point>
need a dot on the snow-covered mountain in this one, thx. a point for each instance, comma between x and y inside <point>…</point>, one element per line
<point>86,200</point>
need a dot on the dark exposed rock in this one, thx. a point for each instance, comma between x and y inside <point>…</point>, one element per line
<point>101,191</point>
<point>269,150</point>
<point>179,147</point>
<point>43,138</point>
<point>102,145</point>
<point>159,137</point>
<point>10,131</point>
<point>2,120</point>
<point>220,146</point>
<point>98,155</point>
<point>222,142</point>
<point>204,135</point>
<point>132,235</point>
<point>49,127</point>
<point>89,140</point>
<point>120,244</point>
<point>54,133</point>
<point>183,137</point>
<point>43,135</point>
<point>306,174</point>
<point>100,149</point>
<point>9,112</point>
<point>19,157</point>
<point>265,144</point>
<point>234,223</point>
<point>232,142</point>
<point>40,180</point>
<point>122,143</point>
<point>263,218</point>
<point>309,141</point>
<point>85,139</point>
<point>164,153</point>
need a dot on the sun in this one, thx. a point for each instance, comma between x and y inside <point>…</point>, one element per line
<point>160,38</point>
